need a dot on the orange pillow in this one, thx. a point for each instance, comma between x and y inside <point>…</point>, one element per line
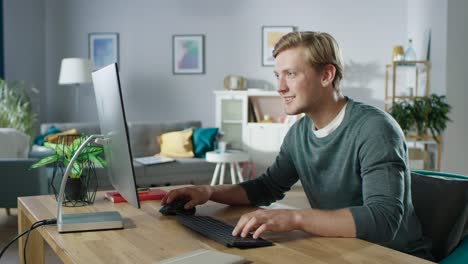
<point>53,138</point>
<point>177,144</point>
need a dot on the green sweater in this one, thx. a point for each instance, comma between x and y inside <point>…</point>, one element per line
<point>362,165</point>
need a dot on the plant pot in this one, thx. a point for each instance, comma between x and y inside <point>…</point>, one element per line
<point>74,189</point>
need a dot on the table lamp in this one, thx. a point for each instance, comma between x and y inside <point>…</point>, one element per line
<point>75,71</point>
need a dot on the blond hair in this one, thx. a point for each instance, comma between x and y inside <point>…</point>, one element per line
<point>322,49</point>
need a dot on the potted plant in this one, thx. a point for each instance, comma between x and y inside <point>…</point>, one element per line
<point>422,114</point>
<point>81,171</point>
<point>15,107</point>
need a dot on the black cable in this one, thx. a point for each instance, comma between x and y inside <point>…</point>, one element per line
<point>33,226</point>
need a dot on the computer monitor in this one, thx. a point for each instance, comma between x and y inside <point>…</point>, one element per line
<point>111,112</point>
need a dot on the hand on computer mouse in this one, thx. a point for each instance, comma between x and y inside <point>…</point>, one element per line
<point>194,194</point>
<point>175,207</point>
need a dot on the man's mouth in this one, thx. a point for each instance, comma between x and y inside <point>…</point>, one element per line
<point>288,99</point>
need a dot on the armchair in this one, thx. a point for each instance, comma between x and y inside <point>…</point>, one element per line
<point>17,180</point>
<point>441,203</point>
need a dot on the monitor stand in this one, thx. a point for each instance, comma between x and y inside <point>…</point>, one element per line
<point>84,221</point>
<point>90,222</point>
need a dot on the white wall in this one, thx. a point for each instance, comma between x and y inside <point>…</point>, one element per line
<point>24,38</point>
<point>456,146</point>
<point>366,30</point>
<point>424,16</point>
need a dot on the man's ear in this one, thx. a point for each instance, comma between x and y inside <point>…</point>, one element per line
<point>328,74</point>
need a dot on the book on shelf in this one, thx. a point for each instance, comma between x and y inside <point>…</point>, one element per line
<point>254,115</point>
<point>151,194</point>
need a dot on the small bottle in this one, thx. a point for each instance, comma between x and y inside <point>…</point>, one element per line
<point>398,54</point>
<point>410,54</point>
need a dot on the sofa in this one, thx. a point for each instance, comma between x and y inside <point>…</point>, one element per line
<point>143,142</point>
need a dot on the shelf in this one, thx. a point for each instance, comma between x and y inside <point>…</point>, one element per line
<point>403,97</point>
<point>408,63</point>
<point>259,92</point>
<point>422,137</point>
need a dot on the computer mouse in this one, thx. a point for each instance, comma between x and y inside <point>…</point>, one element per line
<point>175,207</point>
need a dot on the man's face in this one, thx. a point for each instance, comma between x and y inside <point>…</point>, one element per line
<point>298,83</point>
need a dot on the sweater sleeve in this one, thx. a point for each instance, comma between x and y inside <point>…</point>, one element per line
<point>383,168</point>
<point>272,184</point>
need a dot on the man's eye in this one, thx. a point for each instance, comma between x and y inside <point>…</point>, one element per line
<point>291,74</point>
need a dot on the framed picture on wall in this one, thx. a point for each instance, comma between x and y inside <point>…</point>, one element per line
<point>188,54</point>
<point>271,35</point>
<point>103,49</point>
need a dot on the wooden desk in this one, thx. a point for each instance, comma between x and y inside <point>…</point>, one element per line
<point>149,237</point>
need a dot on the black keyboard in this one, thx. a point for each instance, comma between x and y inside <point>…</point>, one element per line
<point>219,231</point>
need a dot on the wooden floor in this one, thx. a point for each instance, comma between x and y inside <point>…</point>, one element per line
<point>9,229</point>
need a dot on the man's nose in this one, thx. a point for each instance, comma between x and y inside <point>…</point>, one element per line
<point>281,87</point>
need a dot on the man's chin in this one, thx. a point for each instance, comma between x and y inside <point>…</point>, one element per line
<point>291,111</point>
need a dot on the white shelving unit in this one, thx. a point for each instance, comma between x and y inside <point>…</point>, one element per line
<point>236,115</point>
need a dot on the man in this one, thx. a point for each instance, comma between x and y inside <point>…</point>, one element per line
<point>351,159</point>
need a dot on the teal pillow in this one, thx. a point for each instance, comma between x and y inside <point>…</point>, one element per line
<point>39,140</point>
<point>459,255</point>
<point>203,140</point>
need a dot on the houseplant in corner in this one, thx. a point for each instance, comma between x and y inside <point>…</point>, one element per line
<point>418,118</point>
<point>423,115</point>
<point>82,182</point>
<point>15,107</point>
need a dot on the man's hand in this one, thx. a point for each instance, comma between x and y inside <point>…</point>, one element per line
<point>267,220</point>
<point>196,194</point>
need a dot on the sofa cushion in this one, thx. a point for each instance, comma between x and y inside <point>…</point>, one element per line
<point>39,140</point>
<point>143,135</point>
<point>203,140</point>
<point>82,128</point>
<point>176,144</point>
<point>13,143</point>
<point>54,138</point>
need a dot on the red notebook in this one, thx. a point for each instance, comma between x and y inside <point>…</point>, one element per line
<point>151,194</point>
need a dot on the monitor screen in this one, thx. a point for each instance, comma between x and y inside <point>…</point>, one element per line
<point>114,128</point>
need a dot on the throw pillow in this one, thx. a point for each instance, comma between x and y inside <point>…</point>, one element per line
<point>39,140</point>
<point>177,144</point>
<point>53,138</point>
<point>203,140</point>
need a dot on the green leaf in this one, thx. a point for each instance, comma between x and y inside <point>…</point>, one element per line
<point>58,148</point>
<point>76,170</point>
<point>45,161</point>
<point>77,143</point>
<point>98,161</point>
<point>93,150</point>
<point>49,145</point>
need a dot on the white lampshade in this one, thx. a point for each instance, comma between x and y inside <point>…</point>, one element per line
<point>75,71</point>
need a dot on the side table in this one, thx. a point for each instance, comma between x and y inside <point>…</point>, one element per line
<point>233,157</point>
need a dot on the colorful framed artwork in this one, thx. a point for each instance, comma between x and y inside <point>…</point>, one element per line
<point>188,54</point>
<point>271,35</point>
<point>103,49</point>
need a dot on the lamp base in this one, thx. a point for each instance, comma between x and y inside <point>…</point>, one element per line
<point>90,222</point>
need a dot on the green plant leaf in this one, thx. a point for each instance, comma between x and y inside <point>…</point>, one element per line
<point>77,143</point>
<point>93,150</point>
<point>76,170</point>
<point>45,161</point>
<point>97,160</point>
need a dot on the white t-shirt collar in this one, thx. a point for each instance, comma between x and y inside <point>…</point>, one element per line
<point>334,124</point>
